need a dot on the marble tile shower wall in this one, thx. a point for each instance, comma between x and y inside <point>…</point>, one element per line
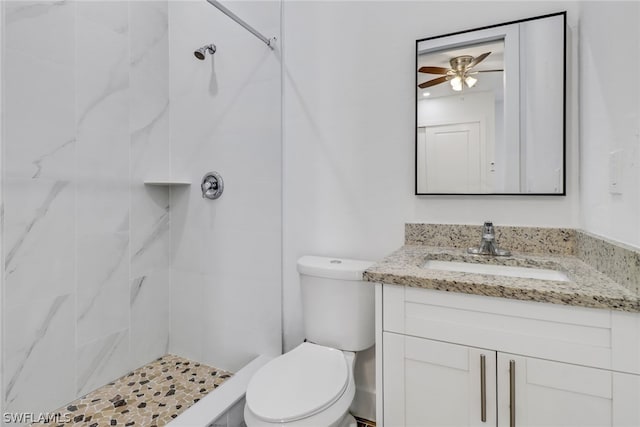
<point>86,245</point>
<point>226,116</point>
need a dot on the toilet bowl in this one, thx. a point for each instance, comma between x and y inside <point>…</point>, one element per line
<point>313,384</point>
<point>310,386</point>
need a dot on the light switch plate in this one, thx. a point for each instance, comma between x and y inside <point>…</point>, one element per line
<point>615,171</point>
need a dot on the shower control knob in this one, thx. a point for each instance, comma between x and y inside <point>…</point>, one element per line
<point>212,185</point>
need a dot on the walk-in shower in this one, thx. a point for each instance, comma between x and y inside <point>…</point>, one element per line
<point>135,270</point>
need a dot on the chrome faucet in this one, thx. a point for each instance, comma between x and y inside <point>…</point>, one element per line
<point>488,245</point>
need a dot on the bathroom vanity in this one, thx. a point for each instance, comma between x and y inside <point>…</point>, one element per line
<point>463,348</point>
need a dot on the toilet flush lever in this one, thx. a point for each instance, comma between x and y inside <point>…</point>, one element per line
<point>212,185</point>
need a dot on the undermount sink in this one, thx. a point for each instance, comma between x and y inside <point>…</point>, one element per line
<point>497,270</point>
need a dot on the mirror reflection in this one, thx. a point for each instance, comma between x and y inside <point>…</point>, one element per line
<point>490,110</point>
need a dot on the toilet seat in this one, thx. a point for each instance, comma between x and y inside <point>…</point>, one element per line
<point>298,384</point>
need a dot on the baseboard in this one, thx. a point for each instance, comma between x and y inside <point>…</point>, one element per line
<point>364,405</point>
<point>365,423</point>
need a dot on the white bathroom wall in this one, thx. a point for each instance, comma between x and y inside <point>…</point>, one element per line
<point>226,117</point>
<point>86,249</point>
<point>610,118</point>
<point>349,134</point>
<point>2,404</point>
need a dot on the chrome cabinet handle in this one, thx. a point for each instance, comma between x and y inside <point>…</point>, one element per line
<point>483,388</point>
<point>512,393</point>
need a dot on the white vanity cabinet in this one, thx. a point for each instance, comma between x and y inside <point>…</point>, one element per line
<point>450,359</point>
<point>433,383</point>
<point>548,393</point>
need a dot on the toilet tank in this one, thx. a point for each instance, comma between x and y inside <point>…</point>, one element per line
<point>338,307</point>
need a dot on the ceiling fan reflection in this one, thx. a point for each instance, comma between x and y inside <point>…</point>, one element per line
<point>459,75</point>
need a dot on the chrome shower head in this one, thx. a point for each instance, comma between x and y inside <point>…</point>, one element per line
<point>200,53</point>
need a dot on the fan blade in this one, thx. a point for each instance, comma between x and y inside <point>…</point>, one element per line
<point>433,82</point>
<point>434,70</point>
<point>478,59</point>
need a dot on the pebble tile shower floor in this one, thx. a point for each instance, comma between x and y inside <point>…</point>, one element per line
<point>150,396</point>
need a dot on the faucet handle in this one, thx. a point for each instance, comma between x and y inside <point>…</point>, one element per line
<point>488,231</point>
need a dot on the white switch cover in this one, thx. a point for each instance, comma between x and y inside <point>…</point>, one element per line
<point>615,171</point>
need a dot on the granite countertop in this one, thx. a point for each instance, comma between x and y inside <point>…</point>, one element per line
<point>587,286</point>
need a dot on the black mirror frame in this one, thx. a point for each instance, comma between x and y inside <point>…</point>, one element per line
<point>564,110</point>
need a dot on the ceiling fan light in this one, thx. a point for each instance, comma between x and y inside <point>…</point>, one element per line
<point>470,81</point>
<point>456,83</point>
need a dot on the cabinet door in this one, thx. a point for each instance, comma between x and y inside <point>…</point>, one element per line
<point>434,384</point>
<point>555,394</point>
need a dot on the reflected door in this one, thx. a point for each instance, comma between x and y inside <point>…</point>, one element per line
<point>453,157</point>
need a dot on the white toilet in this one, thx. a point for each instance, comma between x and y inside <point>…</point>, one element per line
<point>313,385</point>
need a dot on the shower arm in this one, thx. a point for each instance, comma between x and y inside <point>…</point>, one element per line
<point>223,9</point>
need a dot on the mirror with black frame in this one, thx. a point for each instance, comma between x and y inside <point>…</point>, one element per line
<point>490,109</point>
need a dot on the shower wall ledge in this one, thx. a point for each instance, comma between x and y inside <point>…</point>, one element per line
<point>167,182</point>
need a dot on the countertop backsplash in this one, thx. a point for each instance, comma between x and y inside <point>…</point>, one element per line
<point>532,240</point>
<point>617,261</point>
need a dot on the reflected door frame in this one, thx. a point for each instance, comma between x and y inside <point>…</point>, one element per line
<point>473,153</point>
<point>511,36</point>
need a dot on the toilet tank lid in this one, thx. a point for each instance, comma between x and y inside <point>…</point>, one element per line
<point>333,268</point>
